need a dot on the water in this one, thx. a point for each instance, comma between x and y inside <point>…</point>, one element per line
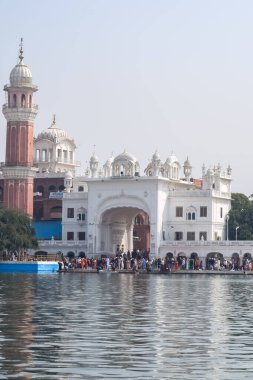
<point>125,326</point>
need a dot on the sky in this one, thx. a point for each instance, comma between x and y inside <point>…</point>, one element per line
<point>141,75</point>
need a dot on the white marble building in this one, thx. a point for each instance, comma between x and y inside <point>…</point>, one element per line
<point>54,151</point>
<point>100,208</point>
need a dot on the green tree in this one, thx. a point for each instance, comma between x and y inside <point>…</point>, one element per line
<point>16,231</point>
<point>241,215</point>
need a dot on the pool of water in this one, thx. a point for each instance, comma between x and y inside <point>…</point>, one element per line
<point>125,326</point>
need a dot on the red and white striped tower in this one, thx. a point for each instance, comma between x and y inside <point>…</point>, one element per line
<point>20,112</point>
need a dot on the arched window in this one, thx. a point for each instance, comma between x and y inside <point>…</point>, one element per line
<point>23,100</point>
<point>138,220</point>
<point>80,188</point>
<point>14,100</point>
<point>81,214</point>
<point>52,188</point>
<point>191,213</point>
<point>61,187</point>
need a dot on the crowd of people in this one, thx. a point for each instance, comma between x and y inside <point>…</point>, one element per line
<point>141,261</point>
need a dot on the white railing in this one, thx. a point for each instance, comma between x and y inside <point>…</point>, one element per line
<point>213,243</point>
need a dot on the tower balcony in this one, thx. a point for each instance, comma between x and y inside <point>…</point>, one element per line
<point>20,113</point>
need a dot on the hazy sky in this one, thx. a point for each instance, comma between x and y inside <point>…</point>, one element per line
<point>176,76</point>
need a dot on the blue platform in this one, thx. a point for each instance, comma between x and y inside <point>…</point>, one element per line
<point>32,267</point>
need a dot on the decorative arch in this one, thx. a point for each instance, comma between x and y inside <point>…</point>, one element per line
<point>247,256</point>
<point>194,256</point>
<point>212,259</point>
<point>121,200</point>
<point>191,212</point>
<point>52,188</point>
<point>71,255</point>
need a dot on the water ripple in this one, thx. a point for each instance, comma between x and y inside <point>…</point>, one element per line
<point>108,326</point>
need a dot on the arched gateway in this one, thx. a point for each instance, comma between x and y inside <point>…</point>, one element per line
<point>118,222</point>
<point>122,229</point>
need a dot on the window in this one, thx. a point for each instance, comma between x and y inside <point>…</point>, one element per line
<point>52,188</point>
<point>70,212</point>
<point>138,220</point>
<point>81,235</point>
<point>80,188</point>
<point>203,211</point>
<point>190,216</point>
<point>179,212</point>
<point>70,235</point>
<point>203,235</point>
<point>44,155</point>
<point>23,100</point>
<point>190,235</point>
<point>178,235</point>
<point>81,216</point>
<point>221,212</point>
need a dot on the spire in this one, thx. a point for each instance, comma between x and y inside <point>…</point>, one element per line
<point>53,125</point>
<point>21,51</point>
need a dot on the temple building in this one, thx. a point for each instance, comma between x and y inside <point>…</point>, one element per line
<point>113,206</point>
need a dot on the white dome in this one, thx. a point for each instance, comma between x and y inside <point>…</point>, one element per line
<point>187,162</point>
<point>68,175</point>
<point>110,160</point>
<point>125,156</point>
<point>171,159</point>
<point>94,158</point>
<point>156,156</point>
<point>52,133</point>
<point>21,76</point>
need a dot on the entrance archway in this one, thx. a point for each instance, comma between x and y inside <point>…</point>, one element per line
<point>214,260</point>
<point>123,229</point>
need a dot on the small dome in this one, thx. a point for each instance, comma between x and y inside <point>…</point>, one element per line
<point>68,175</point>
<point>187,162</point>
<point>125,156</point>
<point>21,76</point>
<point>156,156</point>
<point>94,158</point>
<point>209,172</point>
<point>110,160</point>
<point>52,133</point>
<point>171,159</point>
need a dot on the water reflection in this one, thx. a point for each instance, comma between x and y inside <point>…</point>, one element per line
<point>110,326</point>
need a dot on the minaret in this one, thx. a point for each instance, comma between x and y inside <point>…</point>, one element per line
<point>20,113</point>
